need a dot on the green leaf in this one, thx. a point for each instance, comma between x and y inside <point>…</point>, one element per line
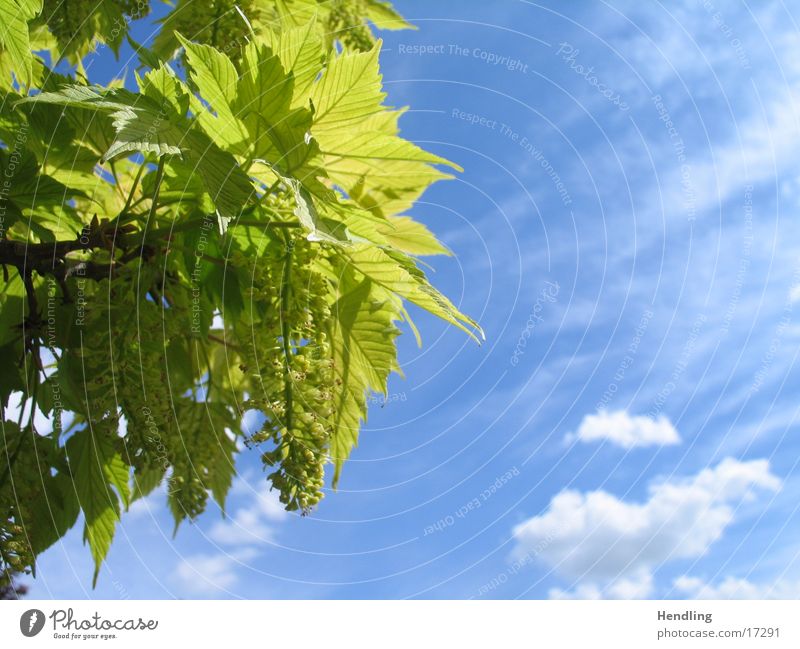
<point>146,56</point>
<point>306,212</point>
<point>398,274</point>
<point>373,149</point>
<point>181,186</point>
<point>144,125</point>
<point>301,54</point>
<point>296,13</point>
<point>221,466</point>
<point>263,97</point>
<point>43,494</point>
<point>56,513</point>
<point>406,234</point>
<point>291,151</point>
<point>226,183</point>
<point>95,466</point>
<point>139,121</point>
<point>381,172</point>
<point>215,77</point>
<point>364,355</point>
<point>12,308</point>
<point>14,35</point>
<point>56,120</point>
<point>117,473</point>
<point>384,16</point>
<point>11,379</point>
<point>162,86</point>
<point>28,190</point>
<point>146,481</point>
<point>348,92</point>
<point>360,150</point>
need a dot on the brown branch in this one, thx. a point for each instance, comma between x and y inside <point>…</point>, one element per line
<point>46,258</point>
<point>216,339</point>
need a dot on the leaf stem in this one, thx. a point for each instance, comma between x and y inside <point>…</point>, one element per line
<point>269,191</point>
<point>133,189</point>
<point>117,186</point>
<point>159,178</point>
<point>33,397</point>
<point>285,332</point>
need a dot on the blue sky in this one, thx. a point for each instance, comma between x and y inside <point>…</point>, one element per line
<point>627,235</point>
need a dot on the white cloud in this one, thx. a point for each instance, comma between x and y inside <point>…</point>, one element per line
<point>587,590</point>
<point>245,535</point>
<point>249,524</point>
<point>610,545</point>
<point>735,588</point>
<point>637,586</point>
<point>625,430</point>
<point>207,574</point>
